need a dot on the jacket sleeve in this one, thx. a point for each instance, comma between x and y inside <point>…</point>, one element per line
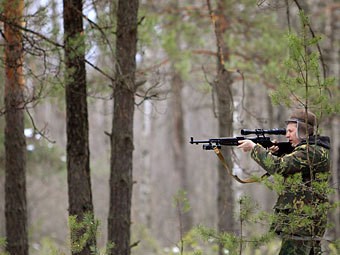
<point>287,164</point>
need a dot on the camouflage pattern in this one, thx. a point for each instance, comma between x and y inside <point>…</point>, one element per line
<point>301,181</point>
<point>300,247</point>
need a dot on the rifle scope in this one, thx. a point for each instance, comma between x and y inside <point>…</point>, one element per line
<point>260,131</point>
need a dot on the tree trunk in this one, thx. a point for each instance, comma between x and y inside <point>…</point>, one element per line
<point>119,219</point>
<point>145,184</point>
<point>179,141</point>
<point>78,155</point>
<point>332,58</point>
<point>223,82</point>
<point>225,198</point>
<point>15,144</point>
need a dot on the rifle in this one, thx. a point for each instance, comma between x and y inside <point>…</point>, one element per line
<point>284,147</point>
<point>216,144</point>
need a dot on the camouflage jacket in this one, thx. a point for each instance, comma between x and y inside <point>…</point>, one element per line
<point>304,175</point>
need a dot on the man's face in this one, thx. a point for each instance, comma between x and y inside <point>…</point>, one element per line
<point>291,134</point>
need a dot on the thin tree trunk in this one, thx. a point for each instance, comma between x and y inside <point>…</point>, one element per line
<point>179,141</point>
<point>331,56</point>
<point>145,185</point>
<point>15,144</point>
<point>78,155</point>
<point>119,219</point>
<point>333,60</point>
<point>225,199</point>
<point>177,127</point>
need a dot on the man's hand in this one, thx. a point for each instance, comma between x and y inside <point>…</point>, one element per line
<point>246,145</point>
<point>274,148</point>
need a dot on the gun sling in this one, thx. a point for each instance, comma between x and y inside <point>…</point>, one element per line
<point>224,163</point>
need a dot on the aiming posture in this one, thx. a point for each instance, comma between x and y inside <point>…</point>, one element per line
<point>301,209</point>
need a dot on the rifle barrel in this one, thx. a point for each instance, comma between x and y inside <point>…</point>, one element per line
<point>284,147</point>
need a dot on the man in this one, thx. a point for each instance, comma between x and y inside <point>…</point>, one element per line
<point>301,209</point>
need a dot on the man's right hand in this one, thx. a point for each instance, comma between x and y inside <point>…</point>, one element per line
<point>274,148</point>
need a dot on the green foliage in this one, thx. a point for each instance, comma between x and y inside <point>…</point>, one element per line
<point>300,216</point>
<point>249,215</point>
<point>335,247</point>
<point>182,205</point>
<point>181,201</point>
<point>269,163</point>
<point>147,29</point>
<point>257,58</point>
<point>83,232</point>
<point>76,45</point>
<point>229,241</point>
<point>43,58</point>
<point>247,208</point>
<point>320,185</point>
<point>303,84</point>
<point>171,43</point>
<point>232,243</point>
<point>86,231</point>
<point>205,240</point>
<point>3,246</point>
<point>47,247</point>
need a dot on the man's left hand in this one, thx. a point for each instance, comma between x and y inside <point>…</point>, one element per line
<point>246,145</point>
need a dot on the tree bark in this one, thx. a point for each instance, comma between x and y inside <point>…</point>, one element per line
<point>145,180</point>
<point>78,155</point>
<point>179,141</point>
<point>15,143</point>
<point>223,82</point>
<point>332,58</point>
<point>119,219</point>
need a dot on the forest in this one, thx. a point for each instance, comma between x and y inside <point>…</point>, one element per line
<point>101,98</point>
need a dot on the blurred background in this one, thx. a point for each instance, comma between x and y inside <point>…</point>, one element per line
<point>176,65</point>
